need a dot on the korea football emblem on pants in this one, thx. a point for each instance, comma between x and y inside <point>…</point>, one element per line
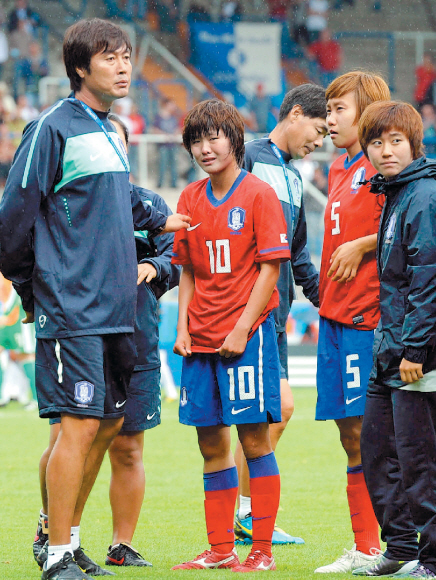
<point>236,219</point>
<point>83,392</point>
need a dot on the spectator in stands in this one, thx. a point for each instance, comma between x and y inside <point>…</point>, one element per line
<point>278,9</point>
<point>328,55</point>
<point>19,41</point>
<point>317,18</point>
<point>33,68</point>
<point>198,11</point>
<point>425,74</point>
<point>25,111</point>
<point>4,47</point>
<point>300,33</point>
<point>136,8</point>
<point>260,107</point>
<point>428,114</point>
<point>7,152</point>
<point>167,123</point>
<point>7,103</point>
<point>22,14</point>
<point>231,11</point>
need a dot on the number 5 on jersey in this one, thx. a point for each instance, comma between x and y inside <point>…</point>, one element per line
<point>219,258</point>
<point>335,218</point>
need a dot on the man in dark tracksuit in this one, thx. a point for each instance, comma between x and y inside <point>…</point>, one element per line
<point>66,242</point>
<point>399,426</point>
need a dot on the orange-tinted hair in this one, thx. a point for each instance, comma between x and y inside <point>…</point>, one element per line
<point>387,115</point>
<point>209,117</point>
<point>367,87</point>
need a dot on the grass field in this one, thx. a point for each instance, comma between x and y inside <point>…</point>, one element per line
<point>171,527</point>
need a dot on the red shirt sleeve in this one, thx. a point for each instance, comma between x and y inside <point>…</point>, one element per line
<point>269,227</point>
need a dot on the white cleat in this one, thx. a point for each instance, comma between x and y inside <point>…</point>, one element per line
<point>349,561</point>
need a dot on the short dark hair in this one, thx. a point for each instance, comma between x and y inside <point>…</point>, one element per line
<point>116,119</point>
<point>311,99</point>
<point>210,116</point>
<point>88,37</point>
<point>384,116</point>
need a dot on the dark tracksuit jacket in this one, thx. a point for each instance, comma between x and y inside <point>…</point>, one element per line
<point>398,440</point>
<point>157,252</point>
<point>66,227</point>
<point>260,160</point>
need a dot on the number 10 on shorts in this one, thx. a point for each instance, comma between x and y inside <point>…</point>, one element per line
<point>245,379</point>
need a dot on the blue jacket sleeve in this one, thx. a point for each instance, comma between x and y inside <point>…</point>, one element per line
<point>168,274</point>
<point>31,179</point>
<point>146,217</point>
<point>419,237</point>
<point>305,273</point>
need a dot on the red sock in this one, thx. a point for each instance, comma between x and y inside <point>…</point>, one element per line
<point>265,499</point>
<point>363,520</point>
<point>221,491</point>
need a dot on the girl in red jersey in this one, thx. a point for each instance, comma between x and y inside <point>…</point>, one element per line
<point>231,257</point>
<point>349,300</point>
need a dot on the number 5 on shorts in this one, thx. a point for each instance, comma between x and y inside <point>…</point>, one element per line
<point>355,371</point>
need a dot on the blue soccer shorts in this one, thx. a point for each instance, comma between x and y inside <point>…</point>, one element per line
<point>344,364</point>
<point>84,375</point>
<point>143,401</point>
<point>282,343</point>
<point>231,391</point>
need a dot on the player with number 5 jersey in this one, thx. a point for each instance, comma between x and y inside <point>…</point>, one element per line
<point>349,300</point>
<point>231,257</point>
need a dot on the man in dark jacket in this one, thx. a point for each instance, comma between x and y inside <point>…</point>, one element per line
<point>398,433</point>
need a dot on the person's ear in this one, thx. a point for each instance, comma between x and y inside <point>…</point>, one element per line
<point>295,113</point>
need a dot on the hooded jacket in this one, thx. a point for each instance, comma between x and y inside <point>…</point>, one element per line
<point>406,262</point>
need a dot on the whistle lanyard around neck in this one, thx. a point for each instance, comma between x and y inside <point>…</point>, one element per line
<point>100,123</point>
<point>279,156</point>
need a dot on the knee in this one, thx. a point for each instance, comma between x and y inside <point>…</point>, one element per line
<point>124,453</point>
<point>210,451</point>
<point>350,441</point>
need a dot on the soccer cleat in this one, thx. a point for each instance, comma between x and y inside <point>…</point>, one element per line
<point>244,533</point>
<point>88,565</point>
<point>419,571</point>
<point>349,561</point>
<point>42,556</point>
<point>256,562</point>
<point>210,560</point>
<point>124,555</point>
<point>281,537</point>
<point>385,567</point>
<point>65,569</point>
<point>41,536</point>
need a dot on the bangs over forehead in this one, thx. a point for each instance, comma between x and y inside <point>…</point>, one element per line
<point>387,116</point>
<point>207,118</point>
<point>367,88</point>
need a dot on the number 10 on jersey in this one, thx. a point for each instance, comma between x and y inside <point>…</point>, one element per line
<point>219,256</point>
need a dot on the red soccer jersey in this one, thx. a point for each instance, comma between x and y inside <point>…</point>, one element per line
<point>352,212</point>
<point>226,240</point>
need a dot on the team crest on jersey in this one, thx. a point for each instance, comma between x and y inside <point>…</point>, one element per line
<point>236,219</point>
<point>83,392</point>
<point>183,397</point>
<point>358,177</point>
<point>296,186</point>
<point>391,228</point>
